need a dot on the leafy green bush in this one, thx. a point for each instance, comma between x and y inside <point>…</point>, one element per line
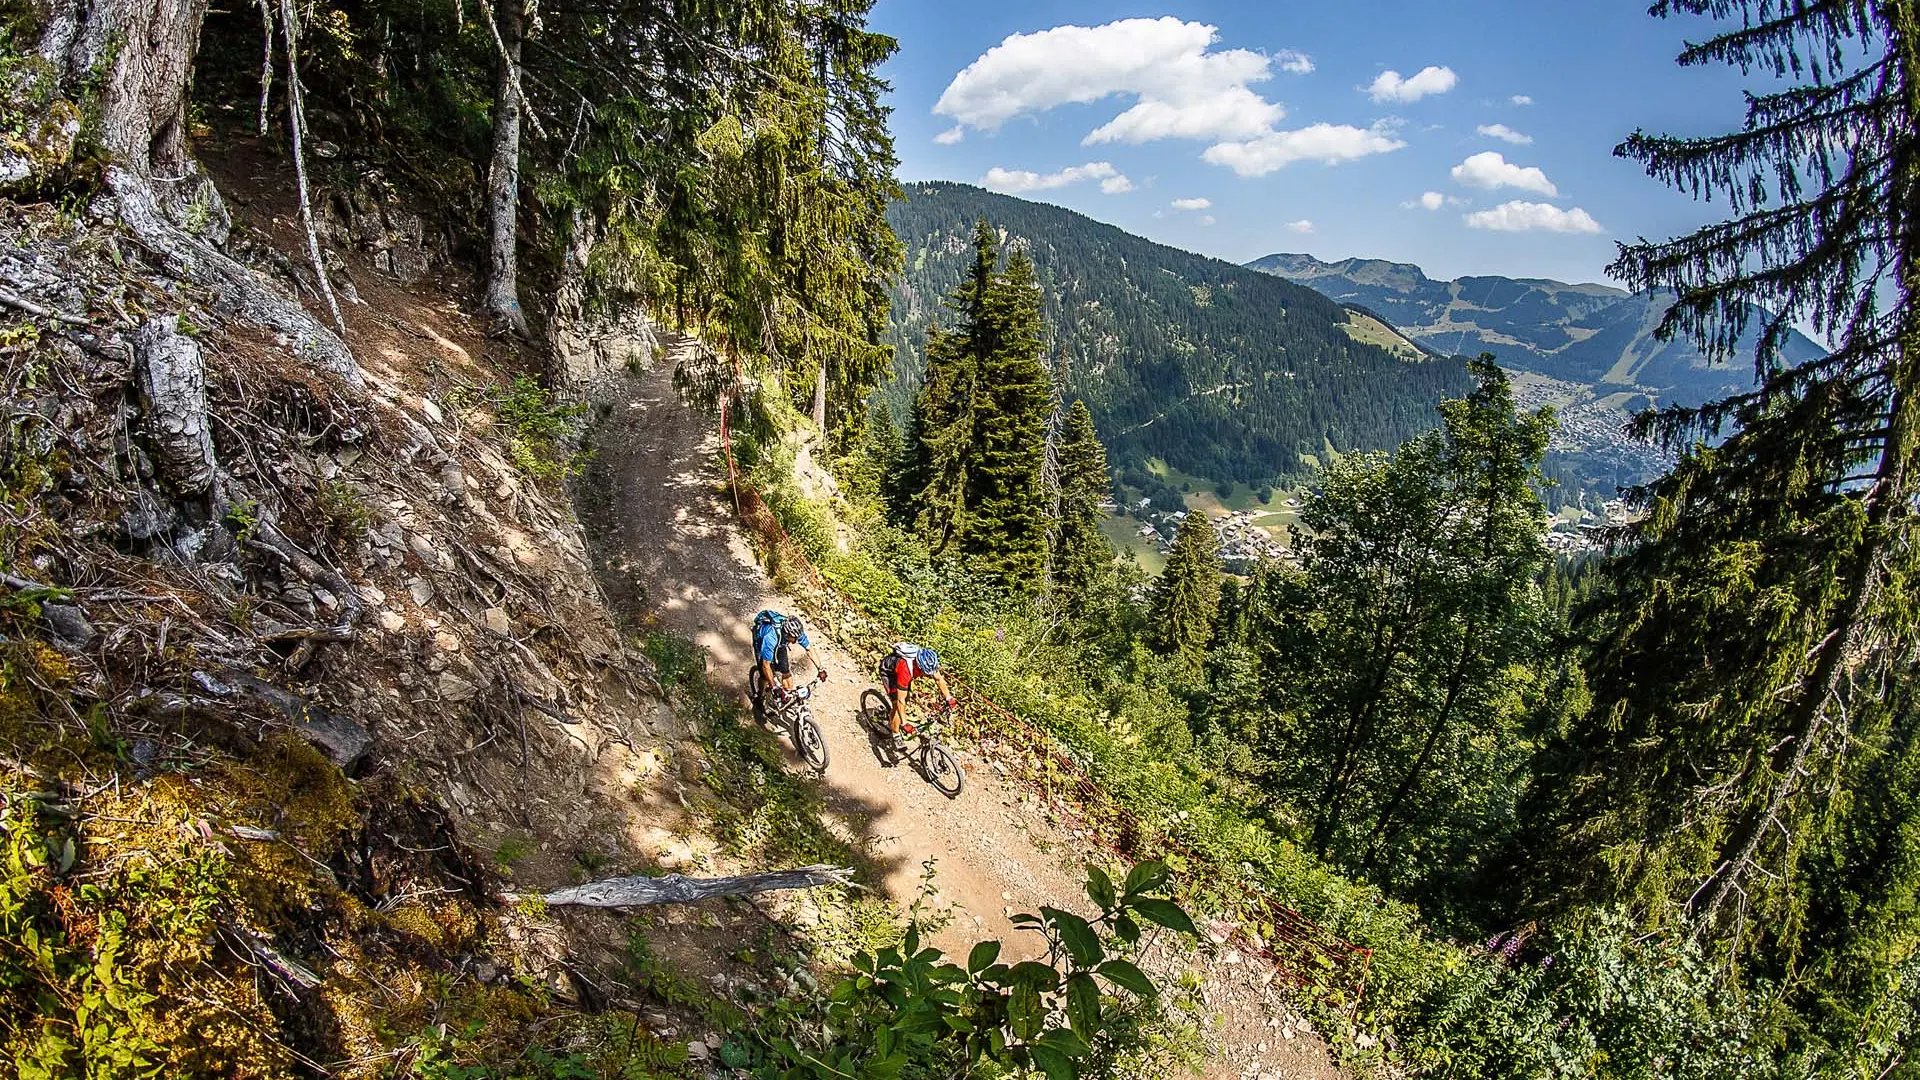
<point>676,660</point>
<point>344,509</point>
<point>910,1011</point>
<point>1609,1003</point>
<point>539,429</point>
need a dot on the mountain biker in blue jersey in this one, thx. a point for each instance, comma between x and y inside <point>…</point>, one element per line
<point>898,670</point>
<point>773,636</point>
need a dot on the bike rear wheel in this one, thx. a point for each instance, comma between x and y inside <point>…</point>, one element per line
<point>874,709</point>
<point>753,692</point>
<point>809,742</point>
<point>943,772</point>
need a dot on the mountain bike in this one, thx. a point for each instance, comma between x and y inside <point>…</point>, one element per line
<point>796,715</point>
<point>929,758</point>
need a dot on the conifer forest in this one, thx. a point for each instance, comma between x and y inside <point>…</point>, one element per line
<point>411,404</point>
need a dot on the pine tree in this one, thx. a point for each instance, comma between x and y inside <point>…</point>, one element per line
<point>978,433</point>
<point>1757,617</point>
<point>1081,554</point>
<point>1006,533</point>
<point>1186,599</point>
<point>944,423</point>
<point>1765,596</point>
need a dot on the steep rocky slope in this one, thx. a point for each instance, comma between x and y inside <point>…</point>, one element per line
<point>309,689</point>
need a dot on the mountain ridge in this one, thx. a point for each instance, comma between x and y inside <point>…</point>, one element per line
<point>1588,333</point>
<point>1217,369</point>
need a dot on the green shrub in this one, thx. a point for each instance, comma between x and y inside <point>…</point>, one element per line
<point>343,509</point>
<point>539,430</point>
<point>677,660</point>
<point>1610,1003</point>
<point>909,1011</point>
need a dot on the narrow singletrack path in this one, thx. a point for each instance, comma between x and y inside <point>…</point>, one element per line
<point>668,549</point>
<point>670,539</point>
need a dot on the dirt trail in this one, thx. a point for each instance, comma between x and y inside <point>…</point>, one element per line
<point>670,534</point>
<point>667,549</point>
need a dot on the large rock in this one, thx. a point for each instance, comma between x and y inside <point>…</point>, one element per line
<point>173,393</point>
<point>368,217</point>
<point>589,351</point>
<point>69,624</point>
<point>343,739</point>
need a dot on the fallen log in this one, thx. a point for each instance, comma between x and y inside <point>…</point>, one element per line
<point>680,889</point>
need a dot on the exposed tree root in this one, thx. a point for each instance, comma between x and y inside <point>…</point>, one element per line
<point>237,290</point>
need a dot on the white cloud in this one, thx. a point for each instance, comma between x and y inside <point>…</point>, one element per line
<point>1488,169</point>
<point>1329,144</point>
<point>1020,181</point>
<point>1192,204</point>
<point>1520,216</point>
<point>1431,200</point>
<point>1521,99</point>
<point>1303,226</point>
<point>1207,220</point>
<point>1182,88</point>
<point>1235,112</point>
<point>1504,133</point>
<point>1390,87</point>
<point>950,136</point>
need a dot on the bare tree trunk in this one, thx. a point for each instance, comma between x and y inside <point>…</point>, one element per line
<point>503,177</point>
<point>296,130</point>
<point>173,394</point>
<point>679,889</point>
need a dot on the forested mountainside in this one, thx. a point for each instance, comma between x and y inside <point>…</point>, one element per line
<point>1220,371</point>
<point>1589,333</point>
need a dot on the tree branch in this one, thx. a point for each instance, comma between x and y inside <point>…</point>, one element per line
<point>679,889</point>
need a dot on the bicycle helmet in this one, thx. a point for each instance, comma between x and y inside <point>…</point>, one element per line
<point>792,630</point>
<point>928,661</point>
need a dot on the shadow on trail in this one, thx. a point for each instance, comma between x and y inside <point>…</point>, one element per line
<point>664,555</point>
<point>662,536</point>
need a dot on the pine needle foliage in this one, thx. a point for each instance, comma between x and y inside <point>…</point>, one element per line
<point>1755,622</point>
<point>977,444</point>
<point>1186,599</point>
<point>1081,555</point>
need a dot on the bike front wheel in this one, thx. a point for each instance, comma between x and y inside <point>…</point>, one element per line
<point>811,744</point>
<point>943,772</point>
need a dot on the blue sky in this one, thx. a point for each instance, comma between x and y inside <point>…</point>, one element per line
<point>1469,137</point>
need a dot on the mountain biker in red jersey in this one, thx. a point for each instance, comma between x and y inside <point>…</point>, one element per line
<point>904,664</point>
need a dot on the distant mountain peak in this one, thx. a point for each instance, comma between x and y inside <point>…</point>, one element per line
<point>1587,333</point>
<point>1198,363</point>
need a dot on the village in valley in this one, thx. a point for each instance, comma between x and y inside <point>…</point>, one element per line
<point>1248,536</point>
